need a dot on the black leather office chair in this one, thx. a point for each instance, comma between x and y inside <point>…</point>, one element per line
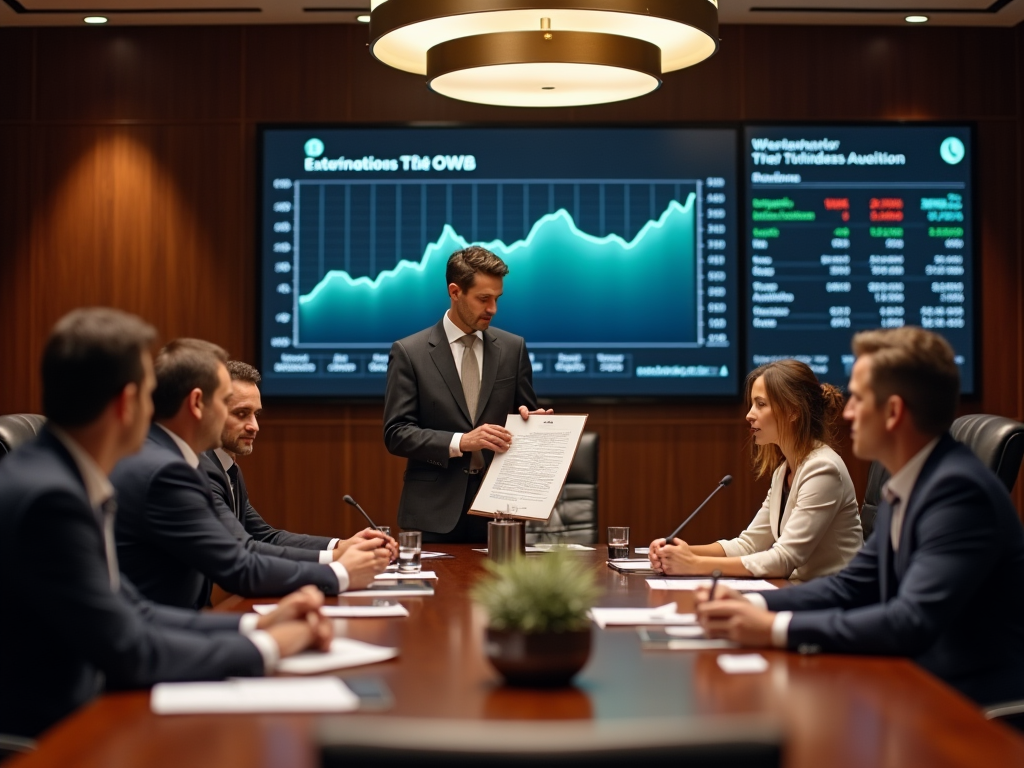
<point>574,519</point>
<point>18,428</point>
<point>14,745</point>
<point>697,743</point>
<point>996,440</point>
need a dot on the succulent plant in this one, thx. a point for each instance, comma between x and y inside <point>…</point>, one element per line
<point>548,593</point>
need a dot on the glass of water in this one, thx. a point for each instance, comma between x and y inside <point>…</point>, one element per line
<point>410,545</point>
<point>618,542</point>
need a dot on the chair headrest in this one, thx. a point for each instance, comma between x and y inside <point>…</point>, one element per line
<point>996,440</point>
<point>18,428</point>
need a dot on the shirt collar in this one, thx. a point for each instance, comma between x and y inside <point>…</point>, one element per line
<point>225,458</point>
<point>97,486</point>
<point>902,483</point>
<point>454,333</point>
<point>186,450</point>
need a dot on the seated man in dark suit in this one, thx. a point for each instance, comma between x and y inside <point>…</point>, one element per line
<point>169,540</point>
<point>941,579</point>
<point>77,625</point>
<point>231,498</point>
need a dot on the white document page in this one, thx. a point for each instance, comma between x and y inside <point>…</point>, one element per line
<point>689,585</point>
<point>393,610</point>
<point>742,663</point>
<point>272,694</point>
<point>526,481</point>
<point>396,576</point>
<point>633,565</point>
<point>345,652</point>
<point>624,617</point>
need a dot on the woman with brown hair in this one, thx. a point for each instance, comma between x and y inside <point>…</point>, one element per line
<point>809,524</point>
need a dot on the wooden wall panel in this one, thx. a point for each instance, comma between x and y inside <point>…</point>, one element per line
<point>127,177</point>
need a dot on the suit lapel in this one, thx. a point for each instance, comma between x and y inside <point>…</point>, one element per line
<point>492,358</point>
<point>441,354</point>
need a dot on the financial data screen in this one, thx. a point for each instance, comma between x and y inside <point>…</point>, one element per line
<point>621,246</point>
<point>850,228</point>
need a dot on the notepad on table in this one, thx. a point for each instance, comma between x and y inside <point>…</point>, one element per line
<point>273,694</point>
<point>624,617</point>
<point>689,585</point>
<point>345,652</point>
<point>632,566</point>
<point>679,639</point>
<point>386,611</point>
<point>394,588</point>
<point>396,576</point>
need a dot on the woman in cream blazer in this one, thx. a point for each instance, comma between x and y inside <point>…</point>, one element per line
<point>809,524</point>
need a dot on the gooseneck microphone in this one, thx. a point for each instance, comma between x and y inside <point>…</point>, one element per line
<point>349,500</point>
<point>721,484</point>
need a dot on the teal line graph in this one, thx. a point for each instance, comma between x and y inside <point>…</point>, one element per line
<point>564,286</point>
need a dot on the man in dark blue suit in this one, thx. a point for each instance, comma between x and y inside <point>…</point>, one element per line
<point>231,497</point>
<point>82,627</point>
<point>169,540</point>
<point>941,580</point>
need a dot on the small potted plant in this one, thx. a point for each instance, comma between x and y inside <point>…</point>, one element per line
<point>538,633</point>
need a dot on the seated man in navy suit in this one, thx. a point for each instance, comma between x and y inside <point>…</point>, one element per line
<point>231,498</point>
<point>81,626</point>
<point>941,579</point>
<point>169,540</point>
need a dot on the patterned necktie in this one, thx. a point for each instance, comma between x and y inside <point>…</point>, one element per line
<point>471,389</point>
<point>109,508</point>
<point>233,477</point>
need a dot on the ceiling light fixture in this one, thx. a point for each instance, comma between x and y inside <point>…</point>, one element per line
<point>95,19</point>
<point>916,19</point>
<point>520,53</point>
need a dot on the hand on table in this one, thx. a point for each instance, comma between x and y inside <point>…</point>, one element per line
<point>293,607</point>
<point>675,559</point>
<point>367,534</point>
<point>363,560</point>
<point>731,617</point>
<point>313,632</point>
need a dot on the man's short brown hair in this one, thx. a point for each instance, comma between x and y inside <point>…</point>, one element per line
<point>91,356</point>
<point>917,365</point>
<point>181,366</point>
<point>463,266</point>
<point>243,372</point>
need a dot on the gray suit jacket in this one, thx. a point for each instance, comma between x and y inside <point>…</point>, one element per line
<point>424,406</point>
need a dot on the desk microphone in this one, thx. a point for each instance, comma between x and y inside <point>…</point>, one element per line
<point>721,484</point>
<point>349,500</point>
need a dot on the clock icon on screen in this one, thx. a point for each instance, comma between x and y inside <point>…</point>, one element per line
<point>952,150</point>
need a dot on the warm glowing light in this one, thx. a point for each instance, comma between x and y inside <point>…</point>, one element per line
<point>364,18</point>
<point>916,19</point>
<point>95,19</point>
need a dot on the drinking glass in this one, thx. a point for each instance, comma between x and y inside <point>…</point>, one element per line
<point>410,545</point>
<point>618,542</point>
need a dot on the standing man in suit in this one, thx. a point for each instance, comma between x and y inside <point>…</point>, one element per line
<point>77,626</point>
<point>231,499</point>
<point>449,390</point>
<point>169,539</point>
<point>941,579</point>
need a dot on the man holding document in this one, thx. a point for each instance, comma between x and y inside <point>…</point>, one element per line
<point>941,579</point>
<point>449,390</point>
<point>77,626</point>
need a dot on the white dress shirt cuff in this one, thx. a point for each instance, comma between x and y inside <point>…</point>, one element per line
<point>333,543</point>
<point>454,451</point>
<point>342,574</point>
<point>780,626</point>
<point>265,644</point>
<point>326,557</point>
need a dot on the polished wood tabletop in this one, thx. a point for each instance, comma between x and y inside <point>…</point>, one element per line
<point>836,711</point>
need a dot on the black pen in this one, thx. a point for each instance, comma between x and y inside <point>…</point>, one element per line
<point>715,574</point>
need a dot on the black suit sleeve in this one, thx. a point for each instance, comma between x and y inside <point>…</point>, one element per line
<point>951,559</point>
<point>134,648</point>
<point>403,434</point>
<point>177,618</point>
<point>183,525</point>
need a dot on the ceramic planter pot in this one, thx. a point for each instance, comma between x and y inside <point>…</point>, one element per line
<point>537,660</point>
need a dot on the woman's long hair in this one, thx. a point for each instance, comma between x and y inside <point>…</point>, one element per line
<point>806,411</point>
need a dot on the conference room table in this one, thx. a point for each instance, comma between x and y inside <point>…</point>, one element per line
<point>836,711</point>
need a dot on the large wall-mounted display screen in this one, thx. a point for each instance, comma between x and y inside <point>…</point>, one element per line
<point>621,245</point>
<point>850,228</point>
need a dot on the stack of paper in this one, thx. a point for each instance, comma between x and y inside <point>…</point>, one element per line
<point>625,617</point>
<point>275,694</point>
<point>385,611</point>
<point>689,585</point>
<point>393,575</point>
<point>344,652</point>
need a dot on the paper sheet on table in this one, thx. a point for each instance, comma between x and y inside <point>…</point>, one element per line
<point>550,548</point>
<point>391,610</point>
<point>634,564</point>
<point>627,617</point>
<point>396,576</point>
<point>689,585</point>
<point>273,694</point>
<point>393,588</point>
<point>742,663</point>
<point>526,481</point>
<point>429,555</point>
<point>345,652</point>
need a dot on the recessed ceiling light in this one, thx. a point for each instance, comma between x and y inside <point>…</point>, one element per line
<point>95,19</point>
<point>363,17</point>
<point>916,19</point>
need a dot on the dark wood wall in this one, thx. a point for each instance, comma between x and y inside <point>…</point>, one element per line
<point>127,179</point>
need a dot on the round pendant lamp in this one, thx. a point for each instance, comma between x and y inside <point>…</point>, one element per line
<point>524,54</point>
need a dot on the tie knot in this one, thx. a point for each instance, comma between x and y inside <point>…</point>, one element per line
<point>468,340</point>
